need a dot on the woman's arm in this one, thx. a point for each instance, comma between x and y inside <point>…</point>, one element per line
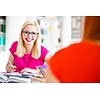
<point>10,67</point>
<point>29,70</point>
<point>48,57</point>
<point>50,77</point>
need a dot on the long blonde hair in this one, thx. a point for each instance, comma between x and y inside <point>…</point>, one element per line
<point>36,50</point>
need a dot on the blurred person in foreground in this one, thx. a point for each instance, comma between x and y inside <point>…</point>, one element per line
<point>79,62</point>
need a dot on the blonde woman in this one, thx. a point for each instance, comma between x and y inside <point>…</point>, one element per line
<point>27,53</point>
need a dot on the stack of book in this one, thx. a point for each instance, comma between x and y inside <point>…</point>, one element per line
<point>16,77</point>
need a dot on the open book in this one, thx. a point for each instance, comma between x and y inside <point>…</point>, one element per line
<point>16,77</point>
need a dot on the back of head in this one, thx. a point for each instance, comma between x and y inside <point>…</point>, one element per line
<point>91,28</point>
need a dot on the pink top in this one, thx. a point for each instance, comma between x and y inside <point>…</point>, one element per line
<point>27,61</point>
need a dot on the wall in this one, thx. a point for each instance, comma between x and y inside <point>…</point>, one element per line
<point>13,25</point>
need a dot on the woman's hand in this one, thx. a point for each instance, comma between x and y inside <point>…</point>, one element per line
<point>40,77</point>
<point>11,68</point>
<point>29,70</point>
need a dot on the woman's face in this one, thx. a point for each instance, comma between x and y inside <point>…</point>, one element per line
<point>29,34</point>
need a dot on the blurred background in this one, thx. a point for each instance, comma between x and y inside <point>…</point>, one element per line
<point>57,32</point>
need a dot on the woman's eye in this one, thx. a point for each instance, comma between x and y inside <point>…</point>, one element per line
<point>33,33</point>
<point>26,32</point>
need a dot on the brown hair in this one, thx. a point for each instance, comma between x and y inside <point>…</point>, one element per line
<point>91,30</point>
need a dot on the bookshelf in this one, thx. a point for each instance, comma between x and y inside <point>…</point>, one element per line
<point>2,33</point>
<point>76,26</point>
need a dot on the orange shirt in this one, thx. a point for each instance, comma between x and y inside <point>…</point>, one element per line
<point>80,62</point>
